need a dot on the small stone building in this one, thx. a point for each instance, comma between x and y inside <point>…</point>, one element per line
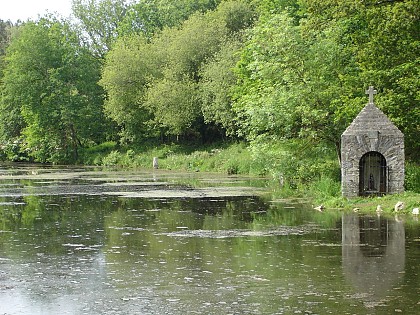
<point>372,154</point>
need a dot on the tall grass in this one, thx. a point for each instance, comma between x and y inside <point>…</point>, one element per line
<point>412,177</point>
<point>231,159</point>
<point>297,168</point>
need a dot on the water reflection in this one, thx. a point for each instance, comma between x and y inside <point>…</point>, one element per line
<point>71,247</point>
<point>373,254</point>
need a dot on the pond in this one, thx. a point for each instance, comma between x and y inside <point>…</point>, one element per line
<point>86,241</point>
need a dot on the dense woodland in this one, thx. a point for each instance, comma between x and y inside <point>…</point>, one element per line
<point>272,73</point>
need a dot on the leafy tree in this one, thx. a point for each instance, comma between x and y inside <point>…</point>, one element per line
<point>128,69</point>
<point>290,83</point>
<point>50,80</point>
<point>216,85</point>
<point>100,20</point>
<point>307,78</point>
<point>151,16</point>
<point>11,120</point>
<point>269,7</point>
<point>5,32</point>
<point>270,74</point>
<point>173,103</point>
<point>156,71</point>
<point>383,39</point>
<point>390,60</point>
<point>193,45</point>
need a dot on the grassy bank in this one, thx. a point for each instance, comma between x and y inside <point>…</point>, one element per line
<point>234,158</point>
<point>293,169</point>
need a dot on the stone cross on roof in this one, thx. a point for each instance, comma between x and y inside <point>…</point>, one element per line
<point>371,91</point>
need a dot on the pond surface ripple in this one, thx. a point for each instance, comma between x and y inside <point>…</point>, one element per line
<point>85,241</point>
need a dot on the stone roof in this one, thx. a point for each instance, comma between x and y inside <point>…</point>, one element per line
<point>372,118</point>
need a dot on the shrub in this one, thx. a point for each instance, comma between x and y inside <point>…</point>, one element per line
<point>112,159</point>
<point>324,188</point>
<point>95,154</point>
<point>412,177</point>
<point>297,162</point>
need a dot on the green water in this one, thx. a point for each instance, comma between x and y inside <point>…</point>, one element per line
<point>81,241</point>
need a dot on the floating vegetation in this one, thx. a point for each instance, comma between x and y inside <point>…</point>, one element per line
<point>214,192</point>
<point>88,242</point>
<point>278,231</point>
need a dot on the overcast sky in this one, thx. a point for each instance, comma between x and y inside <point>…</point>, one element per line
<point>30,9</point>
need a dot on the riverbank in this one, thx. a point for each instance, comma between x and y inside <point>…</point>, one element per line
<point>381,205</point>
<point>288,174</point>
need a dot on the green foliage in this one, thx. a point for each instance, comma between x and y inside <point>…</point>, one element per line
<point>50,94</point>
<point>383,41</point>
<point>173,104</point>
<point>100,20</point>
<point>368,205</point>
<point>151,16</point>
<point>288,76</point>
<point>128,68</point>
<point>295,163</point>
<point>323,189</point>
<point>93,155</point>
<point>412,177</point>
<point>291,84</point>
<point>233,159</point>
<point>5,33</point>
<point>153,84</point>
<point>215,87</point>
<point>305,78</point>
<point>112,159</point>
<point>12,151</point>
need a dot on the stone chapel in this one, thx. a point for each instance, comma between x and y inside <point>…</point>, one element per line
<point>372,154</point>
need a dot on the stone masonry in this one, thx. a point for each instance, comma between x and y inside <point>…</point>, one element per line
<point>371,131</point>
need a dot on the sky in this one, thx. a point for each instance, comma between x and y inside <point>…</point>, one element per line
<point>30,9</point>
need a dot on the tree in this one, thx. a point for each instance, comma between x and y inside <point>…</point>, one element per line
<point>144,77</point>
<point>306,78</point>
<point>50,83</point>
<point>188,49</point>
<point>390,60</point>
<point>151,16</point>
<point>100,20</point>
<point>173,102</point>
<point>383,39</point>
<point>216,87</point>
<point>129,66</point>
<point>5,32</point>
<point>270,74</point>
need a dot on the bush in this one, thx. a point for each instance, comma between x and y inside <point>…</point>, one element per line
<point>94,155</point>
<point>297,162</point>
<point>412,177</point>
<point>324,188</point>
<point>112,159</point>
<point>14,151</point>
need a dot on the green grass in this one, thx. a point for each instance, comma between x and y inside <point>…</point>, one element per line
<point>234,158</point>
<point>294,169</point>
<point>387,203</point>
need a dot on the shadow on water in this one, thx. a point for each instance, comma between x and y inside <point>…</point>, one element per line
<point>92,242</point>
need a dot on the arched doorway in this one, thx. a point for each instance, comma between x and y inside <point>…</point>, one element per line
<point>372,174</point>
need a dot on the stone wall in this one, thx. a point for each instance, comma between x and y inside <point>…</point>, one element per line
<point>371,131</point>
<point>355,146</point>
